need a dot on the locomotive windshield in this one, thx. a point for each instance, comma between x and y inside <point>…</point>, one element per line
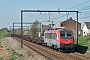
<point>66,35</point>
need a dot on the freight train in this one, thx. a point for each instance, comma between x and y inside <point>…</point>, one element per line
<point>58,38</point>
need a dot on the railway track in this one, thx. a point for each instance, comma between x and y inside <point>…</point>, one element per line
<point>53,54</point>
<point>79,56</point>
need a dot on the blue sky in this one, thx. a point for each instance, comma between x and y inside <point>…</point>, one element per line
<point>10,10</point>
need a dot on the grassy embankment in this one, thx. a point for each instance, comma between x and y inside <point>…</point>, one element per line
<point>13,54</point>
<point>84,42</point>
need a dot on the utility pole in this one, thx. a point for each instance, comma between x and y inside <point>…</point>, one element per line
<point>49,15</point>
<point>52,24</point>
<point>67,14</point>
<point>13,30</point>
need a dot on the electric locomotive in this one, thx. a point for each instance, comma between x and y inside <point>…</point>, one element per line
<point>59,38</point>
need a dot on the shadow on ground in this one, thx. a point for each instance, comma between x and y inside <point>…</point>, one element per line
<point>80,49</point>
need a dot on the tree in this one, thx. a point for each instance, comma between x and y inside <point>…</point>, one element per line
<point>4,32</point>
<point>34,28</point>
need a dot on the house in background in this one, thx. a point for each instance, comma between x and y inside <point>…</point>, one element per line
<point>70,23</point>
<point>86,29</point>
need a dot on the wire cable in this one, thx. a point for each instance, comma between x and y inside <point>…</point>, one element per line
<point>78,5</point>
<point>74,7</point>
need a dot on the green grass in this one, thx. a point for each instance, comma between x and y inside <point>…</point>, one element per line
<point>84,41</point>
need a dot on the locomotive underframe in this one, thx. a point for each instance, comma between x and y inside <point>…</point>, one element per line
<point>67,47</point>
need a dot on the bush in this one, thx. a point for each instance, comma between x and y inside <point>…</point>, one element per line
<point>4,32</point>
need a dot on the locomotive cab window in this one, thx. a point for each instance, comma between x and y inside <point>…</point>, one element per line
<point>69,33</point>
<point>66,34</point>
<point>62,33</point>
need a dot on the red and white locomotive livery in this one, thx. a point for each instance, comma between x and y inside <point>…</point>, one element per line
<point>59,38</point>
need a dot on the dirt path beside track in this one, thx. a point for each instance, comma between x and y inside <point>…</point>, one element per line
<point>28,54</point>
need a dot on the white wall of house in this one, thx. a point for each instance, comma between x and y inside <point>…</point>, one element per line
<point>84,30</point>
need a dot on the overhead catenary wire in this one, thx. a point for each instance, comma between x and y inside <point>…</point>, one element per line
<point>71,13</point>
<point>82,9</point>
<point>85,17</point>
<point>74,7</point>
<point>85,8</point>
<point>79,4</point>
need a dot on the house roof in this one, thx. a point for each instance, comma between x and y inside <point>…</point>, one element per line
<point>87,24</point>
<point>69,20</point>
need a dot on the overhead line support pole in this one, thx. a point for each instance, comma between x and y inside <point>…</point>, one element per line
<point>21,29</point>
<point>77,29</point>
<point>13,30</point>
